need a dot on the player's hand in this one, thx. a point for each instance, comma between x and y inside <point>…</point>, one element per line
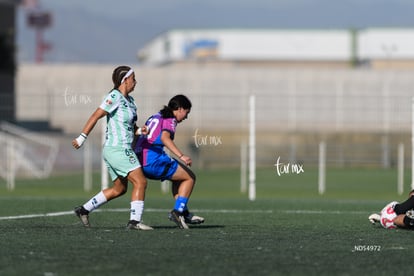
<point>187,160</point>
<point>78,142</point>
<point>144,130</point>
<point>75,144</point>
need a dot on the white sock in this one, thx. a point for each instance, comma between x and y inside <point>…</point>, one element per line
<point>137,208</point>
<point>95,202</point>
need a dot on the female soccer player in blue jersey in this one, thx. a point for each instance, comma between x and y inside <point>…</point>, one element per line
<point>156,164</point>
<point>123,165</point>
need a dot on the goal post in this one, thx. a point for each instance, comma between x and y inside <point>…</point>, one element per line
<point>400,169</point>
<point>87,167</point>
<point>243,167</point>
<point>252,148</point>
<point>412,143</point>
<point>322,168</point>
<point>32,152</point>
<point>104,168</point>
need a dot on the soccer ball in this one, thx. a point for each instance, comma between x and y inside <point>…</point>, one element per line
<point>388,215</point>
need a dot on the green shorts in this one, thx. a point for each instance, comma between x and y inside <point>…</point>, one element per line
<point>120,161</point>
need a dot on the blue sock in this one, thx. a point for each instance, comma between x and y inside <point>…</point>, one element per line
<point>181,204</point>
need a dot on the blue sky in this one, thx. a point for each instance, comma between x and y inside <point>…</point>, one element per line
<point>107,31</point>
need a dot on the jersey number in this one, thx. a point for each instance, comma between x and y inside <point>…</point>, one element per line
<point>153,124</point>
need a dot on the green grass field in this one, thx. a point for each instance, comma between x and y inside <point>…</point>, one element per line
<point>289,230</point>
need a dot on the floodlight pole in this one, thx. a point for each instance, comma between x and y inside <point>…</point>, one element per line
<point>40,20</point>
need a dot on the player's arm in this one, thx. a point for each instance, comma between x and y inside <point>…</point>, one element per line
<point>404,221</point>
<point>399,221</point>
<point>169,143</point>
<point>90,124</point>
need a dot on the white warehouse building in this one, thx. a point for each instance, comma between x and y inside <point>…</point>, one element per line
<point>376,48</point>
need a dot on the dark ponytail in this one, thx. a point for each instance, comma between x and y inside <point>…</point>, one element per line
<point>118,74</point>
<point>176,102</point>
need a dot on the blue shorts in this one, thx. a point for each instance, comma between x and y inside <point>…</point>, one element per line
<point>161,168</point>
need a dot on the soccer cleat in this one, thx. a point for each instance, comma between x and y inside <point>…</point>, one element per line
<point>178,219</point>
<point>374,218</point>
<point>136,225</point>
<point>190,218</point>
<point>83,215</point>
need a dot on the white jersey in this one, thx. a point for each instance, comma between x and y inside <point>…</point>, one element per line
<point>121,119</point>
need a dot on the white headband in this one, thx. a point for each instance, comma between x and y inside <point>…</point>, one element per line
<point>129,73</point>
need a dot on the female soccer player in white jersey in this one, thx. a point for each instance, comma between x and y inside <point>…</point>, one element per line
<point>123,165</point>
<point>156,164</point>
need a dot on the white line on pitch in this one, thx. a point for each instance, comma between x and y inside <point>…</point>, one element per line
<point>316,212</point>
<point>223,211</point>
<point>56,214</point>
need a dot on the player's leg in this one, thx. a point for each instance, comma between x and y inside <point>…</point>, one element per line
<point>183,184</point>
<point>139,182</point>
<point>182,188</point>
<point>119,188</point>
<point>126,164</point>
